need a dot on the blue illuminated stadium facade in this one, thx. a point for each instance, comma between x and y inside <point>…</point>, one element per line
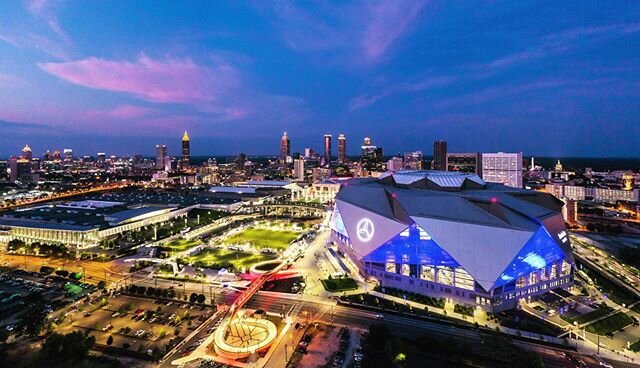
<point>452,235</point>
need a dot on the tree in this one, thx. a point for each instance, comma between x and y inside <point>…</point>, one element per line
<point>47,270</point>
<point>102,284</point>
<point>15,244</point>
<point>33,319</point>
<point>591,227</point>
<point>150,291</point>
<point>201,298</point>
<point>62,273</point>
<point>193,297</point>
<point>141,290</point>
<point>110,340</point>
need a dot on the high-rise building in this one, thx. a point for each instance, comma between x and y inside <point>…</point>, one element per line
<point>371,156</point>
<point>439,156</point>
<point>465,162</point>
<point>298,169</point>
<point>285,148</point>
<point>327,149</point>
<point>20,169</point>
<point>395,164</point>
<point>413,160</point>
<point>161,156</point>
<point>186,150</point>
<point>504,168</point>
<point>26,152</point>
<point>308,152</point>
<point>342,149</point>
<point>68,154</point>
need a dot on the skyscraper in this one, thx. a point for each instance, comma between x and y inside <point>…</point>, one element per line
<point>371,156</point>
<point>413,160</point>
<point>504,168</point>
<point>298,169</point>
<point>26,152</point>
<point>285,148</point>
<point>342,148</point>
<point>186,150</point>
<point>161,156</point>
<point>327,149</point>
<point>439,156</point>
<point>469,163</point>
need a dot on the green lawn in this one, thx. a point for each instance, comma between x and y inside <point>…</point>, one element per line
<point>224,258</point>
<point>635,346</point>
<point>264,238</point>
<point>341,284</point>
<point>179,245</point>
<point>610,324</point>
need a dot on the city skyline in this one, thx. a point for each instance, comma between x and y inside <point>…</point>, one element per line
<point>532,77</point>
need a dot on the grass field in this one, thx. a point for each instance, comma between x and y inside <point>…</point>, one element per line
<point>342,284</point>
<point>635,346</point>
<point>610,324</point>
<point>179,245</point>
<point>224,258</point>
<point>264,238</point>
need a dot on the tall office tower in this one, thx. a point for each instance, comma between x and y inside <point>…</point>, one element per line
<point>161,156</point>
<point>26,152</point>
<point>327,149</point>
<point>298,169</point>
<point>57,156</point>
<point>504,168</point>
<point>186,150</point>
<point>371,156</point>
<point>413,160</point>
<point>308,152</point>
<point>470,163</point>
<point>342,148</point>
<point>68,154</point>
<point>285,148</point>
<point>395,164</point>
<point>20,169</point>
<point>439,156</point>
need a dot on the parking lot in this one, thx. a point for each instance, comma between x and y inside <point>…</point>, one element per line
<point>141,325</point>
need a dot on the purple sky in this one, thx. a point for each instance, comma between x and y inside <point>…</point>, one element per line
<point>543,77</point>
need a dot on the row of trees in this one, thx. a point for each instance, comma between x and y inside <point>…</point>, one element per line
<point>16,245</point>
<point>164,293</point>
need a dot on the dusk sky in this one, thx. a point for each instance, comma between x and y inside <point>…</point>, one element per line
<point>553,78</point>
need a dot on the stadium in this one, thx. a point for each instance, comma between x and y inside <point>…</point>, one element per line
<point>451,235</point>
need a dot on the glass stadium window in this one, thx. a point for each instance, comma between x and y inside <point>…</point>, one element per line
<point>533,278</point>
<point>554,271</point>
<point>544,276</point>
<point>464,279</point>
<point>566,268</point>
<point>521,282</point>
<point>390,267</point>
<point>444,275</point>
<point>427,273</point>
<point>405,270</point>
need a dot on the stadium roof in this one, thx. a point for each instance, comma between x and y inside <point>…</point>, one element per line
<point>483,226</point>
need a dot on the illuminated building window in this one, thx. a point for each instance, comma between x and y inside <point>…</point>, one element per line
<point>544,276</point>
<point>566,268</point>
<point>444,275</point>
<point>405,270</point>
<point>390,267</point>
<point>464,279</point>
<point>554,271</point>
<point>427,273</point>
<point>521,282</point>
<point>533,278</point>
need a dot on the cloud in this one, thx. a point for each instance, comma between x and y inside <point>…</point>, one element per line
<point>123,112</point>
<point>374,26</point>
<point>220,91</point>
<point>367,99</point>
<point>169,81</point>
<point>388,21</point>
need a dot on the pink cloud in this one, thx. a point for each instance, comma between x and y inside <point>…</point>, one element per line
<point>388,21</point>
<point>170,81</point>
